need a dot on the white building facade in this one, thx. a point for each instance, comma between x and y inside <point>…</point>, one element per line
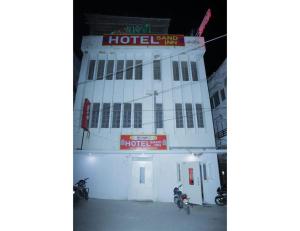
<point>150,124</point>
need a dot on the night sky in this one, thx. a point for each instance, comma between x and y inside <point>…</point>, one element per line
<point>185,16</point>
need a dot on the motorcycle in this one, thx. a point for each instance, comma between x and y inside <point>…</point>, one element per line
<point>181,199</point>
<point>80,191</point>
<point>221,198</point>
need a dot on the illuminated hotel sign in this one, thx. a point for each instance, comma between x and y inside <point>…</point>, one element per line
<point>143,142</point>
<point>143,40</point>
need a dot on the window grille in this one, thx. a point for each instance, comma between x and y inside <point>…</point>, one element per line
<point>129,69</point>
<point>159,115</point>
<point>110,69</point>
<point>179,116</point>
<point>120,69</point>
<point>223,94</point>
<point>105,115</point>
<point>199,115</point>
<point>116,115</point>
<point>100,72</point>
<point>127,115</point>
<point>137,115</point>
<point>95,115</point>
<point>216,99</point>
<point>185,71</point>
<point>156,69</point>
<point>189,115</point>
<point>138,69</point>
<point>91,70</point>
<point>194,71</point>
<point>175,70</point>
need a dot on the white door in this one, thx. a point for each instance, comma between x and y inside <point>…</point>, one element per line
<point>141,181</point>
<point>191,181</point>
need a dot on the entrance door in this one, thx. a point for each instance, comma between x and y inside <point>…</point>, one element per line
<point>141,181</point>
<point>191,181</point>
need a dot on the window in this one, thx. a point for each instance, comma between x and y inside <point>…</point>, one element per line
<point>212,102</point>
<point>179,117</point>
<point>189,115</point>
<point>156,70</point>
<point>178,172</point>
<point>100,72</point>
<point>138,69</point>
<point>204,172</point>
<point>129,69</point>
<point>159,115</point>
<point>137,115</point>
<point>116,115</point>
<point>142,175</point>
<point>127,115</point>
<point>185,72</point>
<point>91,70</point>
<point>110,69</point>
<point>216,99</point>
<point>175,70</point>
<point>223,94</point>
<point>95,115</point>
<point>120,67</point>
<point>194,71</point>
<point>105,115</point>
<point>199,116</point>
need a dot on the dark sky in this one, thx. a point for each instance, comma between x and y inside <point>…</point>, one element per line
<point>185,16</point>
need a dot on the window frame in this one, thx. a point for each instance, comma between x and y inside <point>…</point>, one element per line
<point>159,116</point>
<point>138,115</point>
<point>91,71</point>
<point>179,118</point>
<point>116,115</point>
<point>189,115</point>
<point>94,122</point>
<point>105,118</point>
<point>126,115</point>
<point>156,69</point>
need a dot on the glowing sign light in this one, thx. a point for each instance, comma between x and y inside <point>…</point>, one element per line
<point>204,22</point>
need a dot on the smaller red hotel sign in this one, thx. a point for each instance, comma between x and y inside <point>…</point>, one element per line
<point>143,40</point>
<point>143,142</point>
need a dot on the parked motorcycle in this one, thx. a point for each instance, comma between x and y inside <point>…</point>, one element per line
<point>80,191</point>
<point>181,199</point>
<point>221,198</point>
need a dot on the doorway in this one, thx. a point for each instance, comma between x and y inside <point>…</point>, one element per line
<point>141,180</point>
<point>192,181</point>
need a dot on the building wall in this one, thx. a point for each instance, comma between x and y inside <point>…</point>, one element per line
<point>109,168</point>
<point>112,91</point>
<point>107,183</point>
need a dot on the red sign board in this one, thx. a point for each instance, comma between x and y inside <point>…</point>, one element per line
<point>143,142</point>
<point>204,22</point>
<point>85,114</point>
<point>143,40</point>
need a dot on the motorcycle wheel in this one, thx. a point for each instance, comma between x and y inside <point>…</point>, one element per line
<point>188,211</point>
<point>180,204</point>
<point>86,195</point>
<point>219,200</point>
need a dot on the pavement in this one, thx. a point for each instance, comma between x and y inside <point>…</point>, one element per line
<point>124,215</point>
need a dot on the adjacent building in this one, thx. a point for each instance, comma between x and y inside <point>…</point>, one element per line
<point>142,118</point>
<point>217,85</point>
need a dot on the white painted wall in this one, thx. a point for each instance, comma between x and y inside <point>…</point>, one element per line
<point>110,174</point>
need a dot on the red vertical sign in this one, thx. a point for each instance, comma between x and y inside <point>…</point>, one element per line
<point>85,114</point>
<point>191,176</point>
<point>204,22</point>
